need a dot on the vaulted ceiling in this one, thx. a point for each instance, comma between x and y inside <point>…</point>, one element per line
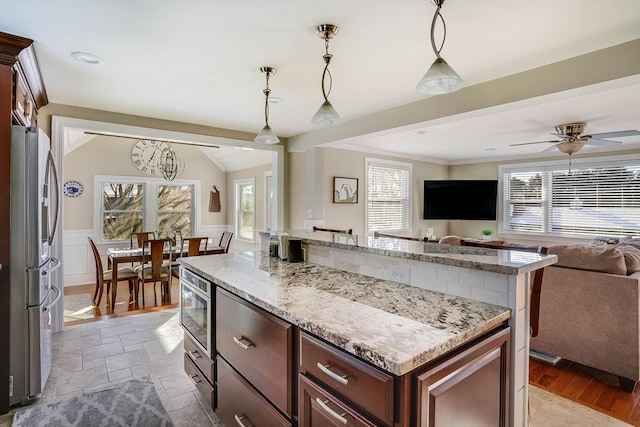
<point>198,62</point>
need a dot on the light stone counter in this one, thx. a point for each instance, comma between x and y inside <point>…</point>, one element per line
<point>390,325</point>
<point>492,260</point>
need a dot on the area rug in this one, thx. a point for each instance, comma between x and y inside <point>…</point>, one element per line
<point>78,307</point>
<point>130,404</point>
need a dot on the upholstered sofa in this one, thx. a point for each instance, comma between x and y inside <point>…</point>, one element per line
<point>589,309</point>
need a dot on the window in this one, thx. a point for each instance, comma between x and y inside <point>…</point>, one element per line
<point>122,209</point>
<point>126,205</point>
<point>245,208</point>
<point>388,196</point>
<point>590,199</point>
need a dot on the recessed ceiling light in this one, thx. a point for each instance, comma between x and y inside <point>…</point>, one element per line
<point>490,149</point>
<point>87,58</point>
<point>275,100</point>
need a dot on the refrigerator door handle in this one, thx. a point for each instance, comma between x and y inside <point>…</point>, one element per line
<point>51,164</point>
<point>55,300</point>
<point>56,264</point>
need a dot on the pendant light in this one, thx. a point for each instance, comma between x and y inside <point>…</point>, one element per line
<point>171,164</point>
<point>326,114</point>
<point>440,78</point>
<point>266,135</point>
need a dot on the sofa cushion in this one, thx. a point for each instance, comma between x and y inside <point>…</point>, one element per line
<point>593,258</point>
<point>631,254</point>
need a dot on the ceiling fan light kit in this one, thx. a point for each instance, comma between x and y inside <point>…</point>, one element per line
<point>266,135</point>
<point>440,78</point>
<point>326,114</point>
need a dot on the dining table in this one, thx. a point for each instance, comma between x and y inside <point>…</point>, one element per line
<point>116,256</point>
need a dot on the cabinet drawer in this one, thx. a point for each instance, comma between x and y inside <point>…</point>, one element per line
<point>365,386</point>
<point>240,405</point>
<point>201,383</point>
<point>318,408</point>
<point>257,345</point>
<point>201,360</point>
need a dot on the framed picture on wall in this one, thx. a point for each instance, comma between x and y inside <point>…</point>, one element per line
<point>345,190</point>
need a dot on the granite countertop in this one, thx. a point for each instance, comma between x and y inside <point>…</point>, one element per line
<point>494,260</point>
<point>396,327</point>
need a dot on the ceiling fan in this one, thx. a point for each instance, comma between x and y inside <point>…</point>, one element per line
<point>572,140</point>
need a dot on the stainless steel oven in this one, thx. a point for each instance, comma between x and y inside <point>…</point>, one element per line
<point>196,308</point>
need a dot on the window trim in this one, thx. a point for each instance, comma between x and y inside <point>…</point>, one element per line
<point>150,212</point>
<point>575,163</point>
<point>392,163</point>
<point>236,216</point>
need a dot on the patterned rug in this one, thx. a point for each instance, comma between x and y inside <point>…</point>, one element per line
<point>133,403</point>
<point>78,307</point>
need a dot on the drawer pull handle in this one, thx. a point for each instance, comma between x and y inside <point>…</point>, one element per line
<point>334,414</point>
<point>243,343</point>
<point>239,420</point>
<point>342,379</point>
<point>193,379</point>
<point>195,355</point>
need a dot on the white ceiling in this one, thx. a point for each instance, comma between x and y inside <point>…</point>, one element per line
<point>198,61</point>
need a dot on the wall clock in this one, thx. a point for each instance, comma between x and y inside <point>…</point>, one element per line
<point>72,189</point>
<point>146,155</point>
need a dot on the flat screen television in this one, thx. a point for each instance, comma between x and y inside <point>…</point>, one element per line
<point>460,199</point>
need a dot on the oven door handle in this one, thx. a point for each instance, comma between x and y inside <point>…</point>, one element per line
<point>196,291</point>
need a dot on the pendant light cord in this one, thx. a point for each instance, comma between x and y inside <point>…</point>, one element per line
<point>266,92</point>
<point>437,15</point>
<point>327,59</point>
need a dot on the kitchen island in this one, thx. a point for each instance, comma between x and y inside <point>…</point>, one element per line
<point>372,350</point>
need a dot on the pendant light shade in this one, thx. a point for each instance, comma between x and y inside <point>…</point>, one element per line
<point>326,114</point>
<point>266,135</point>
<point>440,78</point>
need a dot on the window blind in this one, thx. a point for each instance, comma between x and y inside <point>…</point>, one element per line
<point>388,201</point>
<point>590,200</point>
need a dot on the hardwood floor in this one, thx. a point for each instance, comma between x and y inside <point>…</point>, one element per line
<point>590,387</point>
<point>125,305</point>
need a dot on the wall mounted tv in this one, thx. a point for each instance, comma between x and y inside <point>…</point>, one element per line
<point>460,199</point>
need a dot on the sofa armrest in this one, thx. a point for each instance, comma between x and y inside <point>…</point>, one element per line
<point>591,318</point>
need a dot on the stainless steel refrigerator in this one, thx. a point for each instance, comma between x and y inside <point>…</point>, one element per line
<point>34,218</point>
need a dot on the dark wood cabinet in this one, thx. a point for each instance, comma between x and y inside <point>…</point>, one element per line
<point>470,389</point>
<point>239,404</point>
<point>368,388</point>
<point>258,345</point>
<point>199,380</point>
<point>318,408</point>
<point>198,358</point>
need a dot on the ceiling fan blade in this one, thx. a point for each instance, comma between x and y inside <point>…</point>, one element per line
<point>553,147</point>
<point>537,142</point>
<point>602,142</point>
<point>618,134</point>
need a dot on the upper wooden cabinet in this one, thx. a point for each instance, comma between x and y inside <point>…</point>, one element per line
<point>27,88</point>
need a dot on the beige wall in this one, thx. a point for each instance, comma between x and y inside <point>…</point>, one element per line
<point>112,156</point>
<point>351,164</point>
<point>258,174</point>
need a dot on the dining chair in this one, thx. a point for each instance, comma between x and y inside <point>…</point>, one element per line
<point>155,271</point>
<point>104,276</point>
<point>193,245</point>
<point>136,239</point>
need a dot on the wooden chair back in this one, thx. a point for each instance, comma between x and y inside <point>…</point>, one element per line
<point>417,239</point>
<point>333,230</point>
<point>153,252</point>
<point>194,244</point>
<point>140,237</point>
<point>225,241</point>
<point>98,261</point>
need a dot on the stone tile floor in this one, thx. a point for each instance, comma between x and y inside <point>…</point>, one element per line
<point>91,355</point>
